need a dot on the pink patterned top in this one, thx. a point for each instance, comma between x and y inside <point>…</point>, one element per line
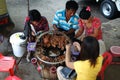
<point>96,23</point>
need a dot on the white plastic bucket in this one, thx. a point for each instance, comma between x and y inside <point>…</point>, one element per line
<point>18,44</point>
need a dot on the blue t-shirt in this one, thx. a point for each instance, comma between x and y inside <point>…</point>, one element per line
<point>60,21</point>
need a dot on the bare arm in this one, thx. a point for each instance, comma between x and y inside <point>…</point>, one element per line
<point>95,33</point>
<point>70,31</point>
<point>68,57</point>
<point>55,27</point>
<point>79,33</point>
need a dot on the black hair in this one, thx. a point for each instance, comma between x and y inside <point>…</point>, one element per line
<point>84,14</point>
<point>72,5</point>
<point>34,15</point>
<point>89,50</point>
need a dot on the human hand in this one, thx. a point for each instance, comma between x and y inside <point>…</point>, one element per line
<point>68,46</point>
<point>55,27</point>
<point>64,32</point>
<point>38,33</point>
<point>82,37</point>
<point>77,46</point>
<point>33,34</point>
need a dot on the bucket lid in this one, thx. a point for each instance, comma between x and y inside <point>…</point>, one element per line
<point>16,38</point>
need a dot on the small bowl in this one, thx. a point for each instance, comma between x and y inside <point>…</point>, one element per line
<point>53,69</point>
<point>34,60</point>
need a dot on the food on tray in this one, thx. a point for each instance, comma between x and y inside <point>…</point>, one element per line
<point>54,40</point>
<point>50,47</point>
<point>46,40</point>
<point>49,59</point>
<point>54,53</point>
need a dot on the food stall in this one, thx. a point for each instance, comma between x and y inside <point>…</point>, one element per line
<point>50,53</point>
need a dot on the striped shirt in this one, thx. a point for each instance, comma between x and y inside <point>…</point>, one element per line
<point>60,21</point>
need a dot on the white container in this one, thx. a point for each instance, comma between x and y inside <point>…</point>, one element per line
<point>18,44</point>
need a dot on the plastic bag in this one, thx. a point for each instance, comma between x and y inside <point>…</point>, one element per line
<point>68,73</point>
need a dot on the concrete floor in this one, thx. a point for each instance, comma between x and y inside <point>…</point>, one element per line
<point>18,10</point>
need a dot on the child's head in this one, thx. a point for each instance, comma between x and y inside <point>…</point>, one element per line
<point>71,8</point>
<point>73,5</point>
<point>34,15</point>
<point>85,13</point>
<point>89,49</point>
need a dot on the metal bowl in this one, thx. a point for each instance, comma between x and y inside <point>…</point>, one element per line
<point>53,53</point>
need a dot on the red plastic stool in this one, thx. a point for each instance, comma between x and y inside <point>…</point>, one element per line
<point>7,64</point>
<point>106,62</point>
<point>115,51</point>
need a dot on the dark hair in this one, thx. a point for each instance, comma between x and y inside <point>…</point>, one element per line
<point>34,15</point>
<point>72,5</point>
<point>84,13</point>
<point>89,50</point>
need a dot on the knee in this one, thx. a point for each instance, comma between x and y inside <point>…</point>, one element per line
<point>59,68</point>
